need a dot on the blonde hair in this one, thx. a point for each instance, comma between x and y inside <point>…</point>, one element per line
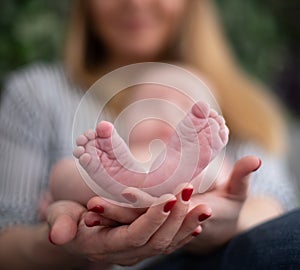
<point>250,111</point>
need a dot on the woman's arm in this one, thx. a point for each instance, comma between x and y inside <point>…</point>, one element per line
<point>28,247</point>
<point>25,130</point>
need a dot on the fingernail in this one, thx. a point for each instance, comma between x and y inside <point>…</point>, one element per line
<point>195,233</point>
<point>169,205</point>
<point>95,223</point>
<point>129,197</point>
<point>50,239</point>
<point>259,164</point>
<point>186,194</point>
<point>97,209</point>
<point>203,217</point>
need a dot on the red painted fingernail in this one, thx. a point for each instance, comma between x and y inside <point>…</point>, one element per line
<point>50,240</point>
<point>259,164</point>
<point>195,233</point>
<point>169,205</point>
<point>95,223</point>
<point>186,194</point>
<point>203,217</point>
<point>97,209</point>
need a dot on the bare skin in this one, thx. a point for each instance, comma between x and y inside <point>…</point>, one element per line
<point>199,137</point>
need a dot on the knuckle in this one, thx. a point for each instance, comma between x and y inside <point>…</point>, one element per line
<point>179,216</point>
<point>135,241</point>
<point>155,221</point>
<point>160,245</point>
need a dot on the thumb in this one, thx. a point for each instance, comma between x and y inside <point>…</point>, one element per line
<point>239,180</point>
<point>63,217</point>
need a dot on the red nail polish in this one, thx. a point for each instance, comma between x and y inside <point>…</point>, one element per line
<point>259,164</point>
<point>195,233</point>
<point>95,223</point>
<point>50,240</point>
<point>203,217</point>
<point>186,194</point>
<point>169,205</point>
<point>97,209</point>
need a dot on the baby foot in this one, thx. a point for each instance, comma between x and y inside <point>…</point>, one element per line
<point>106,157</point>
<point>199,137</point>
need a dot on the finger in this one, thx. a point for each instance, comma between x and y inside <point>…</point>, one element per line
<point>44,202</point>
<point>192,220</point>
<point>142,229</point>
<point>63,217</point>
<point>197,230</point>
<point>112,211</point>
<point>164,236</point>
<point>147,236</point>
<point>239,180</point>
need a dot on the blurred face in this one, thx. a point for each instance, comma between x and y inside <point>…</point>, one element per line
<point>136,30</point>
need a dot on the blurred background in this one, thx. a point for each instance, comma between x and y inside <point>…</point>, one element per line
<point>265,35</point>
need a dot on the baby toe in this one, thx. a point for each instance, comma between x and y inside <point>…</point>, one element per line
<point>90,134</point>
<point>78,151</point>
<point>213,113</point>
<point>104,129</point>
<point>85,159</point>
<point>224,132</point>
<point>201,109</point>
<point>81,140</point>
<point>220,120</point>
<point>214,130</point>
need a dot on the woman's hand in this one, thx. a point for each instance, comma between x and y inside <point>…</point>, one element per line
<point>226,202</point>
<point>160,229</point>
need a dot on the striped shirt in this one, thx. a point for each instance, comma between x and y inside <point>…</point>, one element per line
<point>36,115</point>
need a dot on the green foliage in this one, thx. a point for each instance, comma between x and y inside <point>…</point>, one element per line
<point>31,31</point>
<point>255,35</point>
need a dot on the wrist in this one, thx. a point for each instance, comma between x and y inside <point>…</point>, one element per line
<point>38,250</point>
<point>257,210</point>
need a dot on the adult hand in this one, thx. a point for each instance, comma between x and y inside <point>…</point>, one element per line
<point>226,202</point>
<point>160,229</point>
